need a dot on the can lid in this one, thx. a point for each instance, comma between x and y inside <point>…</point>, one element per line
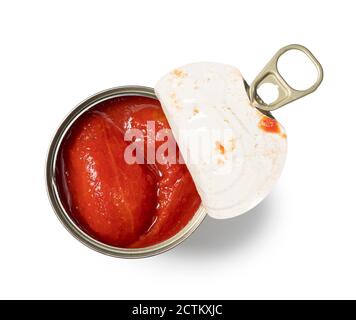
<point>234,152</point>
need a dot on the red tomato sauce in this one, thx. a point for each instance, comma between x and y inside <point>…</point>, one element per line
<point>120,204</point>
<point>269,125</point>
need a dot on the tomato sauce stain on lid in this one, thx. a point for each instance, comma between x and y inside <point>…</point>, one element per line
<point>269,125</point>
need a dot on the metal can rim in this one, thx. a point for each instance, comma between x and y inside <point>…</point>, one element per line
<point>65,218</point>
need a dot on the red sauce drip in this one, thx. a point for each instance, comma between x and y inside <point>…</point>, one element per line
<point>269,125</point>
<point>121,204</point>
<point>220,147</point>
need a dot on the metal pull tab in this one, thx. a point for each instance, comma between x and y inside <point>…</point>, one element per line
<point>286,93</point>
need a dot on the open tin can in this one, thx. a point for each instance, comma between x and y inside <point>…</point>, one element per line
<point>57,204</point>
<point>255,111</point>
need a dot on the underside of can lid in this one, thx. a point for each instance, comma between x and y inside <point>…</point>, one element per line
<point>234,152</point>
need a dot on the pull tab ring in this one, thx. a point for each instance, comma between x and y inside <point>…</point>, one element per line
<point>286,93</point>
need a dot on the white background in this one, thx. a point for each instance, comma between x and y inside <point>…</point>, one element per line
<point>299,243</point>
